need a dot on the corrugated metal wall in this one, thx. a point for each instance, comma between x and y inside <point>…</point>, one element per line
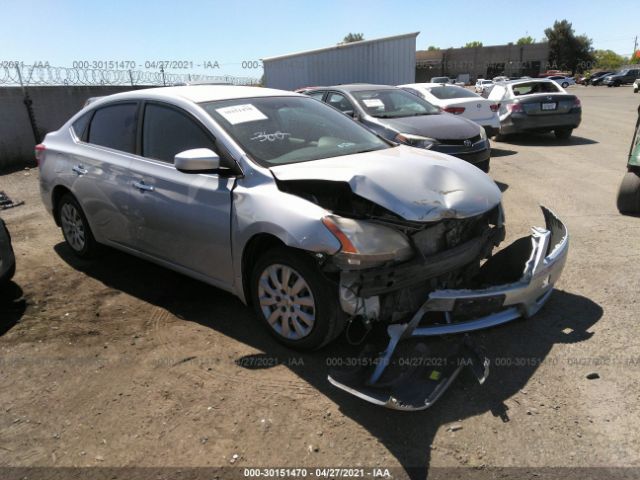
<point>387,61</point>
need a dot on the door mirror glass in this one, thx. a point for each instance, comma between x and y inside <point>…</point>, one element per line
<point>197,160</point>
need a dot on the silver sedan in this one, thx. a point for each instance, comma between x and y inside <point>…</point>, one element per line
<point>298,210</point>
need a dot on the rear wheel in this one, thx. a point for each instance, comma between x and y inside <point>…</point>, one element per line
<point>563,133</point>
<point>75,228</point>
<point>298,305</point>
<point>629,194</point>
<point>565,84</point>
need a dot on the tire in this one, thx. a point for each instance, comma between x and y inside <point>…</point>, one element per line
<point>75,228</point>
<point>309,318</point>
<point>629,194</point>
<point>635,90</point>
<point>563,133</point>
<point>484,165</point>
<point>565,84</point>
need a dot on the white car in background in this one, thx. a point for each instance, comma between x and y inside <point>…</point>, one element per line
<point>459,101</point>
<point>482,84</point>
<point>563,81</point>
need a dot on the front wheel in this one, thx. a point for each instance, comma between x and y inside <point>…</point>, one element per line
<point>298,305</point>
<point>629,194</point>
<point>563,133</point>
<point>75,228</point>
<point>565,84</point>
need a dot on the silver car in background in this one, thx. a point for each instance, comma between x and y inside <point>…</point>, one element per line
<point>301,212</point>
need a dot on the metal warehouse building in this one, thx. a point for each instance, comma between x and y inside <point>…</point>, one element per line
<point>483,62</point>
<point>387,61</point>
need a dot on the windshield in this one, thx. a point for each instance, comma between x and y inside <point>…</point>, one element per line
<point>281,130</point>
<point>393,103</point>
<point>445,93</point>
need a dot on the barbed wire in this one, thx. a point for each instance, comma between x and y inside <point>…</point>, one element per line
<point>35,75</point>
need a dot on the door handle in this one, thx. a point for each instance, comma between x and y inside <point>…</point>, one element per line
<point>80,170</point>
<point>143,186</point>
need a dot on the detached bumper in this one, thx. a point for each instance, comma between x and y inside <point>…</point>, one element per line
<point>518,279</point>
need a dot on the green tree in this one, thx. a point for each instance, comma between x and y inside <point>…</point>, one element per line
<point>568,51</point>
<point>473,44</point>
<point>528,40</point>
<point>353,37</point>
<point>432,48</point>
<point>608,59</point>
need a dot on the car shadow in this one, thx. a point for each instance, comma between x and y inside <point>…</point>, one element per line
<point>544,140</point>
<point>502,186</point>
<point>12,306</point>
<point>407,435</point>
<point>501,152</point>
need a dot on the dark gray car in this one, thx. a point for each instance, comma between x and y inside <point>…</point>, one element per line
<point>7,258</point>
<point>623,77</point>
<point>402,117</point>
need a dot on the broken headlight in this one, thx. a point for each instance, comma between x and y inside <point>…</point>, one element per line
<point>416,140</point>
<point>366,244</point>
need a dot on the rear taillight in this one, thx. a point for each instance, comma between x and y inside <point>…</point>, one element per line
<point>495,107</point>
<point>515,108</point>
<point>39,153</point>
<point>577,103</point>
<point>454,110</point>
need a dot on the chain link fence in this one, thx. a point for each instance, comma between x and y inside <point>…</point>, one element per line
<point>36,75</point>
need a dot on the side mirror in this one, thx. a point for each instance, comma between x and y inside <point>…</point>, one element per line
<point>349,113</point>
<point>197,160</point>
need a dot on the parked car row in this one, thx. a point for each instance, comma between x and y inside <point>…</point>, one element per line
<point>610,78</point>
<point>296,207</point>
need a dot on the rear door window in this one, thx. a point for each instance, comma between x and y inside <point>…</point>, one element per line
<point>114,126</point>
<point>339,101</point>
<point>80,126</point>
<point>317,94</point>
<point>167,131</point>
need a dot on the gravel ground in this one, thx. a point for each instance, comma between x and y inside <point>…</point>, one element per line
<point>117,362</point>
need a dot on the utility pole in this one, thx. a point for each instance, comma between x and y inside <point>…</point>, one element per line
<point>635,48</point>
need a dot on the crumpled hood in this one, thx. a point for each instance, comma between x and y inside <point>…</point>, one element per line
<point>439,126</point>
<point>418,185</point>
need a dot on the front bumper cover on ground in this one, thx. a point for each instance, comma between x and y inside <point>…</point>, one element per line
<point>517,282</point>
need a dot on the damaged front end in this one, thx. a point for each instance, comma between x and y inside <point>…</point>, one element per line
<point>425,269</point>
<point>413,371</point>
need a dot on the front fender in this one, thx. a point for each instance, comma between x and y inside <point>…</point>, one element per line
<point>259,207</point>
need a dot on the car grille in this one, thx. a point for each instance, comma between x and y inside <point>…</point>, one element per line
<point>459,141</point>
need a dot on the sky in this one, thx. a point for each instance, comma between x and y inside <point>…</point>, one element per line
<point>216,37</point>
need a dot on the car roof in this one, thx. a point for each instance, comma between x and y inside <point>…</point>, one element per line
<point>200,93</point>
<point>356,87</point>
<point>431,85</point>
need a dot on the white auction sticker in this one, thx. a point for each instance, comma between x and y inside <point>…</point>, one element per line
<point>241,114</point>
<point>373,103</point>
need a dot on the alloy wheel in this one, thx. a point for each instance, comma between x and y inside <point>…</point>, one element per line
<point>286,301</point>
<point>72,226</point>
